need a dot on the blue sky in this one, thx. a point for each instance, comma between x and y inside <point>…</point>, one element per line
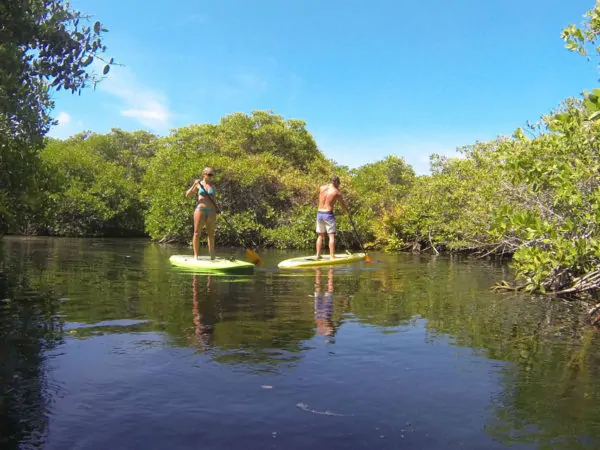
<point>369,78</point>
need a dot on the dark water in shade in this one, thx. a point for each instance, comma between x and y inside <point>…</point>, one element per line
<point>104,345</point>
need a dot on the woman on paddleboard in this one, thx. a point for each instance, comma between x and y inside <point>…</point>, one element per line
<point>205,214</point>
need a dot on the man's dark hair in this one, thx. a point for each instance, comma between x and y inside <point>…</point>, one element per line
<point>335,180</point>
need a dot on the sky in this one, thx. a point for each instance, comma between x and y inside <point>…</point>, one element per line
<point>370,79</point>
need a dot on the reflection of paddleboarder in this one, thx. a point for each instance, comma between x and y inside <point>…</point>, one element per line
<point>203,332</point>
<point>324,305</point>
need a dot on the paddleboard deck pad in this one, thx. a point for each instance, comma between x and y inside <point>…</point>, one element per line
<point>207,265</point>
<point>325,260</point>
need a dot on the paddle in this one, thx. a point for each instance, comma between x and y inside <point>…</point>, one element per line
<point>367,257</point>
<point>252,255</point>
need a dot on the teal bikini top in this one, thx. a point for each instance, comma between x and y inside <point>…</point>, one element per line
<point>202,191</point>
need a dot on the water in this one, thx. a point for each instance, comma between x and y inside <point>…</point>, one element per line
<point>103,344</point>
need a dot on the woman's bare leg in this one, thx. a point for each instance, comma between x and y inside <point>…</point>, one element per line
<point>199,221</point>
<point>211,225</point>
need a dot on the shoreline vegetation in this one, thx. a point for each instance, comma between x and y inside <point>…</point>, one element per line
<point>533,197</point>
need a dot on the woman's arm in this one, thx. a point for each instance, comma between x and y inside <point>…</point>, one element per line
<point>191,190</point>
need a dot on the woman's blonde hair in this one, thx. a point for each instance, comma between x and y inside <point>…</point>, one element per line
<point>206,170</point>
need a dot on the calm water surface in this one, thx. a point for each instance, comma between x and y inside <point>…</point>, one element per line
<point>104,345</point>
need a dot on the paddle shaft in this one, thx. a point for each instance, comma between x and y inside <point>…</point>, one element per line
<point>356,233</point>
<point>228,224</point>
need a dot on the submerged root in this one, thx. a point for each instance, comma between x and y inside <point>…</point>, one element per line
<point>168,240</point>
<point>593,316</point>
<point>594,309</point>
<point>505,286</point>
<point>578,291</point>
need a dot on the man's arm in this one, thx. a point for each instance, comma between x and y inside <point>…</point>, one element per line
<point>341,199</point>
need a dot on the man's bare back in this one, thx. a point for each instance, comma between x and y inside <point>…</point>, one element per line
<point>328,195</point>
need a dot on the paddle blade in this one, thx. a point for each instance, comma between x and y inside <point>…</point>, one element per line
<point>253,257</point>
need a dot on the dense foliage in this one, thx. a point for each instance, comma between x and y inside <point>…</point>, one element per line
<point>92,184</point>
<point>447,210</point>
<point>45,45</point>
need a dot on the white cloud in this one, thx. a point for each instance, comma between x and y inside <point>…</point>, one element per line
<point>147,106</point>
<point>63,119</point>
<point>66,126</point>
<point>154,112</point>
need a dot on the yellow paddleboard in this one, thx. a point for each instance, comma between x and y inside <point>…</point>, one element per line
<point>217,265</point>
<point>310,261</point>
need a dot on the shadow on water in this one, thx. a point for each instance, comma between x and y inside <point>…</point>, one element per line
<point>417,349</point>
<point>29,329</point>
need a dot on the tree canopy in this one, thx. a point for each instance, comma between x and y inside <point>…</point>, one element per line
<point>45,45</point>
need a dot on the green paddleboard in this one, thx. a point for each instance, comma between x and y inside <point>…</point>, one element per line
<point>310,261</point>
<point>217,265</point>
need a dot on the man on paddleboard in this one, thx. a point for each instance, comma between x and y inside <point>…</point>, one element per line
<point>329,194</point>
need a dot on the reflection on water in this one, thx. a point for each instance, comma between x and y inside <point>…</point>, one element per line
<point>324,305</point>
<point>203,329</point>
<point>103,344</point>
<point>29,329</point>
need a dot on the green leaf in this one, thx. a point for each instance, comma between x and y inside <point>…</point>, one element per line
<point>570,45</point>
